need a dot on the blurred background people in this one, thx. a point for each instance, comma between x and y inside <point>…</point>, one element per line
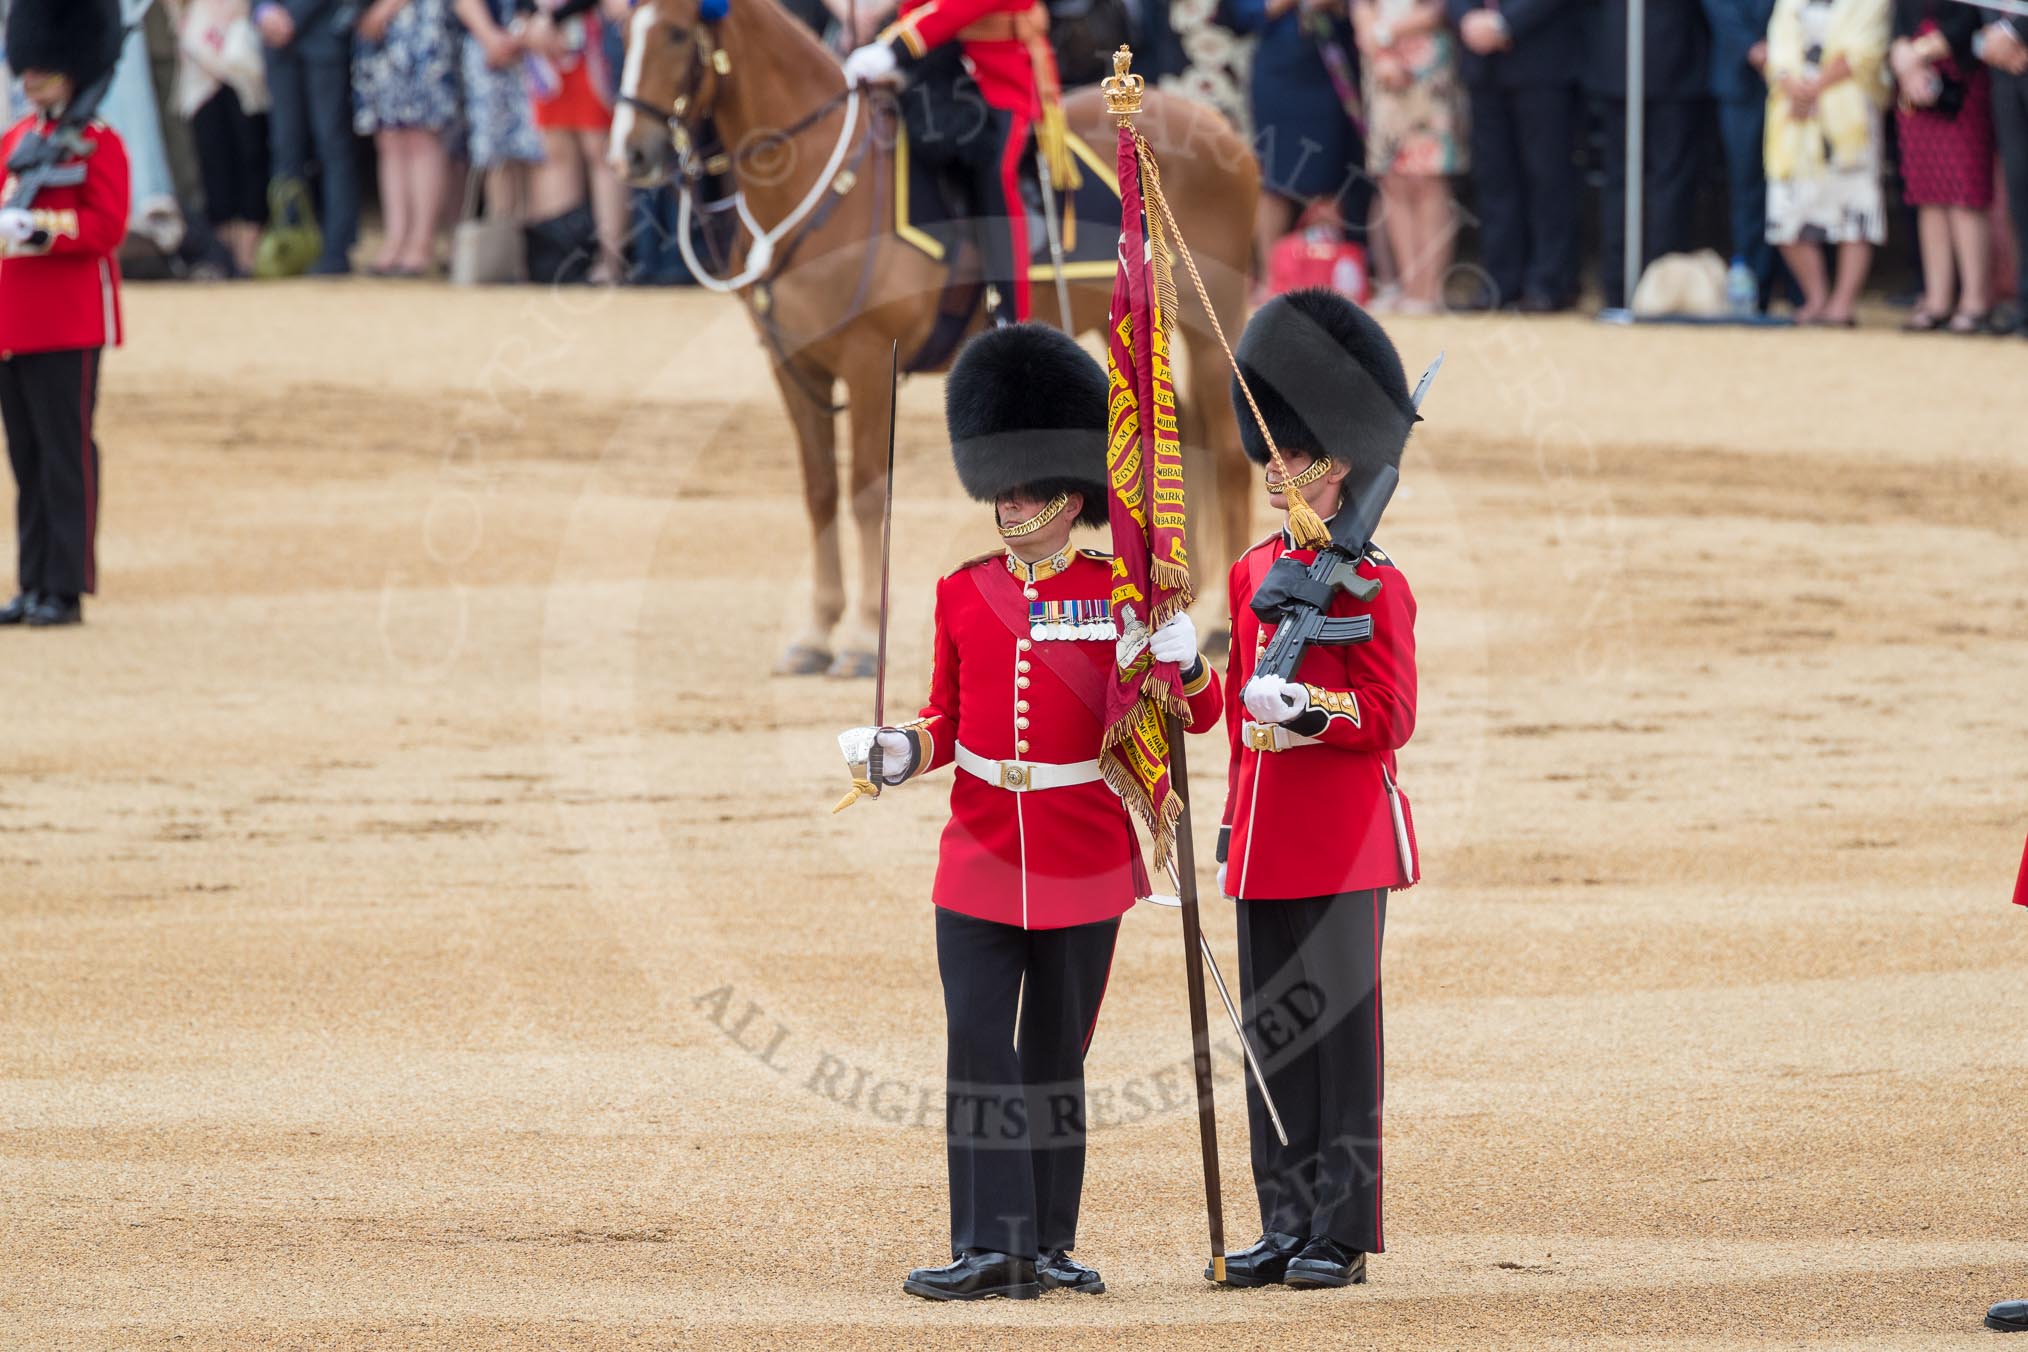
<point>1826,68</point>
<point>1739,87</point>
<point>1415,138</point>
<point>405,96</point>
<point>1519,60</point>
<point>309,62</point>
<point>222,92</point>
<point>573,85</point>
<point>2002,47</point>
<point>1944,118</point>
<point>1676,64</point>
<point>1304,100</point>
<point>499,117</point>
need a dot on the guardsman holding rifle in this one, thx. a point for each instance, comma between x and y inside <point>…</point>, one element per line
<point>1039,860</point>
<point>63,213</point>
<point>1320,693</point>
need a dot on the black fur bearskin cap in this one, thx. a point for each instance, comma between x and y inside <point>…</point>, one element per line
<point>1327,379</point>
<point>77,38</point>
<point>1026,408</point>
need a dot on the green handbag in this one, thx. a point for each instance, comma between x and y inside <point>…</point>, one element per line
<point>292,241</point>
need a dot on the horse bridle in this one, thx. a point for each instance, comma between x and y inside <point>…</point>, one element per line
<point>681,117</point>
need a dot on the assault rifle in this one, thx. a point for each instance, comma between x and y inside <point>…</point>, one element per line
<point>1297,599</point>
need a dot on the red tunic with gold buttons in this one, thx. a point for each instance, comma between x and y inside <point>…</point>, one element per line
<point>1047,857</point>
<point>63,291</point>
<point>1312,819</point>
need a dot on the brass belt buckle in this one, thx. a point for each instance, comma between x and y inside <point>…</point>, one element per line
<point>1261,737</point>
<point>1015,776</point>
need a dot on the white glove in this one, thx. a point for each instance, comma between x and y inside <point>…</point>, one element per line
<point>1176,642</point>
<point>872,64</point>
<point>16,226</point>
<point>897,751</point>
<point>897,755</point>
<point>1221,882</point>
<point>1270,699</point>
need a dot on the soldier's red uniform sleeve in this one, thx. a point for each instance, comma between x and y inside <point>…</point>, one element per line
<point>2021,883</point>
<point>1375,709</point>
<point>929,25</point>
<point>935,730</point>
<point>1206,695</point>
<point>99,222</point>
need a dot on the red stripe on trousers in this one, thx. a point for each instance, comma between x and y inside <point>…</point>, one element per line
<point>1379,1149</point>
<point>1017,214</point>
<point>84,414</point>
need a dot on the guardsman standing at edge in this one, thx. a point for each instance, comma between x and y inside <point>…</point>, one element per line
<point>1315,833</point>
<point>1039,860</point>
<point>59,305</point>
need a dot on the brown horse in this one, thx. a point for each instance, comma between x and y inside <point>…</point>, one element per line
<point>830,285</point>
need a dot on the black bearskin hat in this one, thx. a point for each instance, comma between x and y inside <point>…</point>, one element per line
<point>1026,408</point>
<point>77,38</point>
<point>1328,382</point>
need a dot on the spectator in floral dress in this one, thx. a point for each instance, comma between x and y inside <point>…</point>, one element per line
<point>1415,122</point>
<point>405,96</point>
<point>499,115</point>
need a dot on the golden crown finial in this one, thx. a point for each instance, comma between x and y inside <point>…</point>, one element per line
<point>1123,90</point>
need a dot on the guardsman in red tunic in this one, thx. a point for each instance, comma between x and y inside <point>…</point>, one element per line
<point>1005,46</point>
<point>59,306</point>
<point>1315,832</point>
<point>1039,860</point>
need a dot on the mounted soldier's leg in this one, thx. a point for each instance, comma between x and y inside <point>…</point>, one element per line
<point>998,210</point>
<point>817,441</point>
<point>866,384</point>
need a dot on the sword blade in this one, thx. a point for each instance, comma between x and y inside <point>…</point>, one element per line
<point>1053,231</point>
<point>1428,378</point>
<point>886,540</point>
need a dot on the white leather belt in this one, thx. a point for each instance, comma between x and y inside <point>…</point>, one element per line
<point>1271,737</point>
<point>1021,776</point>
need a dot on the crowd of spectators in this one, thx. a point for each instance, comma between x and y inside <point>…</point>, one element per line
<point>1831,120</point>
<point>1410,125</point>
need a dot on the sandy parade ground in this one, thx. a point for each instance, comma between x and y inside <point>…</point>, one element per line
<point>423,926</point>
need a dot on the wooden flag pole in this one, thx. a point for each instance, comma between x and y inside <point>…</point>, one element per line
<point>1200,1027</point>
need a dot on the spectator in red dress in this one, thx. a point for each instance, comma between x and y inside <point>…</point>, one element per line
<point>1945,118</point>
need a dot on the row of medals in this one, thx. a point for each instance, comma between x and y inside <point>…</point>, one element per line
<point>1071,620</point>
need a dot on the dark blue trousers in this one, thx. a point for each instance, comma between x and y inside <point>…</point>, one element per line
<point>1741,124</point>
<point>312,120</point>
<point>1525,189</point>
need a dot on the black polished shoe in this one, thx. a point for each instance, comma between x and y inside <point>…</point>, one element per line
<point>50,611</point>
<point>1260,1263</point>
<point>1324,1262</point>
<point>2009,1316</point>
<point>16,611</point>
<point>977,1276</point>
<point>1060,1272</point>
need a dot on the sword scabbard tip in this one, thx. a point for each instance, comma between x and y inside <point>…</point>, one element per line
<point>1218,1269</point>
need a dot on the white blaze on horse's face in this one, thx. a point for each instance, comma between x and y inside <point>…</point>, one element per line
<point>639,28</point>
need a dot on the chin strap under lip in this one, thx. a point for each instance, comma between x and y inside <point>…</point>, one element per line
<point>1035,523</point>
